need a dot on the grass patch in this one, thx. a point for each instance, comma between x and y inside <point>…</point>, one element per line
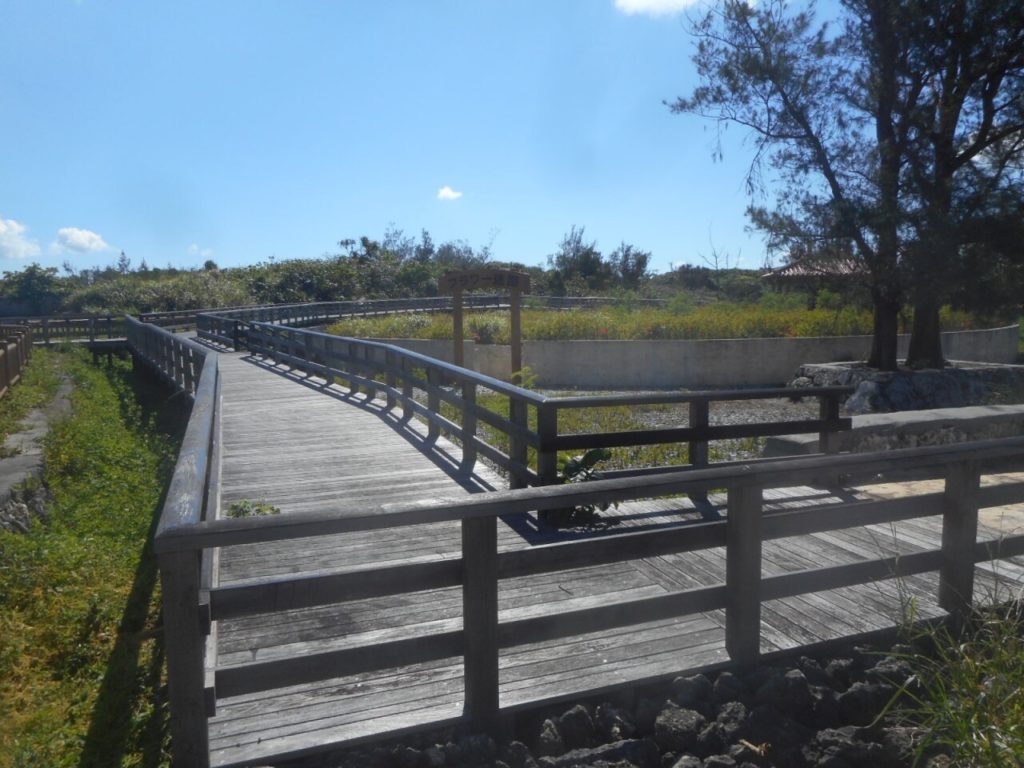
<point>714,321</point>
<point>80,651</point>
<point>966,696</point>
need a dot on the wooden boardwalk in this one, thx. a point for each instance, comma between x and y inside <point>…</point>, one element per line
<point>300,445</point>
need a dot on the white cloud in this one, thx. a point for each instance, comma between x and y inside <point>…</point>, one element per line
<point>654,7</point>
<point>447,193</point>
<point>13,242</point>
<point>79,240</point>
<point>195,250</point>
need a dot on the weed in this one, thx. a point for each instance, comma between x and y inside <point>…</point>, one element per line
<point>966,696</point>
<point>80,658</point>
<point>248,508</point>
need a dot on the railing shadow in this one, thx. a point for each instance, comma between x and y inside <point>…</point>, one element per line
<point>128,681</point>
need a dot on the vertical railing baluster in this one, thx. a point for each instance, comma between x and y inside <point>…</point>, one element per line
<point>433,401</point>
<point>468,425</point>
<point>959,534</point>
<point>389,378</point>
<point>743,575</point>
<point>518,450</point>
<point>407,390</point>
<point>547,431</point>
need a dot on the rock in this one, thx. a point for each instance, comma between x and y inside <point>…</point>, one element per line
<point>826,706</point>
<point>576,728</point>
<point>646,712</point>
<point>478,748</point>
<point>550,743</point>
<point>728,688</point>
<point>841,673</point>
<point>719,761</point>
<point>813,672</point>
<point>846,746</point>
<point>766,725</point>
<point>862,702</point>
<point>790,694</point>
<point>688,761</point>
<point>407,757</point>
<point>676,729</point>
<point>435,757</point>
<point>691,692</point>
<point>516,755</point>
<point>613,723</point>
<point>641,753</point>
<point>891,671</point>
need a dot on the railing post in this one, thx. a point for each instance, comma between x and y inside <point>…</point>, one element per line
<point>389,378</point>
<point>184,645</point>
<point>353,387</point>
<point>698,449</point>
<point>518,450</point>
<point>368,355</point>
<point>959,534</point>
<point>480,621</point>
<point>407,392</point>
<point>743,575</point>
<point>433,402</point>
<point>547,431</point>
<point>468,425</point>
<point>828,411</point>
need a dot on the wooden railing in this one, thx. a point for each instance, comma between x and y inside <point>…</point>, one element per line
<point>483,634</point>
<point>15,350</point>
<point>228,327</point>
<point>192,498</point>
<point>71,327</point>
<point>453,407</point>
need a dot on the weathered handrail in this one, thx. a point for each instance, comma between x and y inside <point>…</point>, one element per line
<point>15,351</point>
<point>453,408</point>
<point>484,633</point>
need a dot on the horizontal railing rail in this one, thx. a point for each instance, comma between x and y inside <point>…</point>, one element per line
<point>485,630</point>
<point>15,351</point>
<point>530,424</point>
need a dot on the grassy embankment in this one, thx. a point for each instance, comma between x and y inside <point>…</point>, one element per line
<point>713,321</point>
<point>81,662</point>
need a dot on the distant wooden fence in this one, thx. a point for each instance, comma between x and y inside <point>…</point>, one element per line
<point>453,407</point>
<point>15,351</point>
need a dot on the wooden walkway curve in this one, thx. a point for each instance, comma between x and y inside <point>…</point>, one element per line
<point>301,445</point>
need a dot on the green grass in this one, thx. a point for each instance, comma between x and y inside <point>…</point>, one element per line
<point>967,692</point>
<point>80,653</point>
<point>714,321</point>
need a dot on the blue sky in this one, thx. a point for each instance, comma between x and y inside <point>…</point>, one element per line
<point>240,131</point>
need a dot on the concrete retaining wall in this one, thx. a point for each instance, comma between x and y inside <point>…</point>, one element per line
<point>697,364</point>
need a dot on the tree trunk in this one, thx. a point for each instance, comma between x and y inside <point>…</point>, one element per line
<point>926,336</point>
<point>884,334</point>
